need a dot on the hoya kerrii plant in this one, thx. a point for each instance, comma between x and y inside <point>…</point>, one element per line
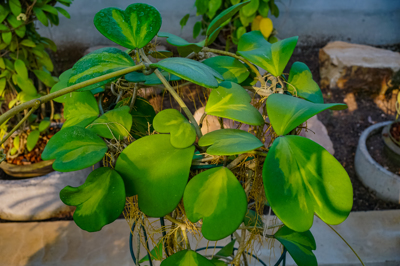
<point>161,165</point>
<point>254,16</point>
<point>25,68</point>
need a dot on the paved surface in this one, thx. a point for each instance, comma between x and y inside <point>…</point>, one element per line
<point>374,235</point>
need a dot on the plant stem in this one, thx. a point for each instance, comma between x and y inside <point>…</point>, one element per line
<point>215,51</point>
<point>135,89</point>
<point>37,104</point>
<point>175,95</point>
<point>185,237</point>
<point>51,96</point>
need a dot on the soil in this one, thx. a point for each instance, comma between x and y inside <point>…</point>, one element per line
<point>395,131</point>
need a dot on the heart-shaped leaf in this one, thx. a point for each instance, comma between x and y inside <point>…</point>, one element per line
<point>232,101</point>
<point>184,47</point>
<point>132,28</point>
<point>80,109</point>
<point>186,258</point>
<point>62,84</point>
<point>99,63</point>
<point>224,16</point>
<point>142,116</point>
<point>156,171</point>
<point>287,112</point>
<point>114,124</point>
<point>74,148</point>
<point>272,57</point>
<point>229,142</point>
<point>300,178</point>
<point>99,201</point>
<point>151,79</point>
<point>230,68</point>
<point>304,86</point>
<point>190,70</point>
<point>217,197</point>
<point>183,133</point>
<point>299,245</point>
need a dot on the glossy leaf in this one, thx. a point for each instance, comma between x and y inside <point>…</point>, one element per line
<point>44,124</point>
<point>151,79</point>
<point>99,63</point>
<point>217,197</point>
<point>62,84</point>
<point>41,16</point>
<point>80,109</point>
<point>232,101</point>
<point>186,258</point>
<point>251,8</point>
<point>132,28</point>
<point>305,87</point>
<point>15,7</point>
<point>16,142</point>
<point>155,171</point>
<point>299,245</point>
<point>246,20</point>
<point>230,68</point>
<point>263,9</point>
<point>32,139</point>
<point>84,149</point>
<point>26,85</point>
<point>4,11</point>
<point>287,112</point>
<point>229,142</point>
<point>302,178</point>
<point>224,16</point>
<point>114,124</point>
<point>190,70</point>
<point>63,12</point>
<point>271,57</point>
<point>21,69</point>
<point>266,27</point>
<point>99,201</point>
<point>44,77</point>
<point>213,6</point>
<point>183,133</point>
<point>184,47</point>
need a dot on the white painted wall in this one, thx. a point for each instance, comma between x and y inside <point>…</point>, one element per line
<point>375,22</point>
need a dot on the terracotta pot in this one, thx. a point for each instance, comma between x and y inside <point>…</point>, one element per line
<point>26,171</point>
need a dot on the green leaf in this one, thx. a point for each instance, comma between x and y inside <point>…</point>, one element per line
<point>3,82</point>
<point>44,77</point>
<point>217,197</point>
<point>251,8</point>
<point>224,16</point>
<point>50,9</point>
<point>213,6</point>
<point>16,142</point>
<point>190,70</point>
<point>2,64</point>
<point>97,90</point>
<point>186,258</point>
<point>165,168</point>
<point>46,61</point>
<point>63,12</point>
<point>287,112</point>
<point>227,250</point>
<point>184,20</point>
<point>41,16</point>
<point>150,80</point>
<point>232,101</point>
<point>274,8</point>
<point>62,84</point>
<point>80,109</point>
<point>156,253</point>
<point>84,149</point>
<point>272,57</point>
<point>26,85</point>
<point>49,43</point>
<point>21,69</point>
<point>132,28</point>
<point>299,245</point>
<point>44,124</point>
<point>4,11</point>
<point>99,201</point>
<point>305,87</point>
<point>15,7</point>
<point>230,68</point>
<point>99,63</point>
<point>184,47</point>
<point>240,31</point>
<point>28,43</point>
<point>196,29</point>
<point>202,7</point>
<point>229,142</point>
<point>300,178</point>
<point>183,133</point>
<point>32,139</point>
<point>246,20</point>
<point>114,124</point>
<point>263,9</point>
<point>160,54</point>
<point>7,37</point>
<point>252,219</point>
<point>23,97</point>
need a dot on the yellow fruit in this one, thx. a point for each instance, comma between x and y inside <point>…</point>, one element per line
<point>266,27</point>
<point>255,25</point>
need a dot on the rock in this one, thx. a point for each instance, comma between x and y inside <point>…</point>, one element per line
<point>355,66</point>
<point>38,198</point>
<point>318,133</point>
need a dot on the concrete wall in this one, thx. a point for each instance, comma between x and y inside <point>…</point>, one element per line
<point>375,22</point>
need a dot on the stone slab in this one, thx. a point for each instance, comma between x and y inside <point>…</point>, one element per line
<point>375,235</point>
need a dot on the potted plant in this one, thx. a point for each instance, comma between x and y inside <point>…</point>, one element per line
<point>150,162</point>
